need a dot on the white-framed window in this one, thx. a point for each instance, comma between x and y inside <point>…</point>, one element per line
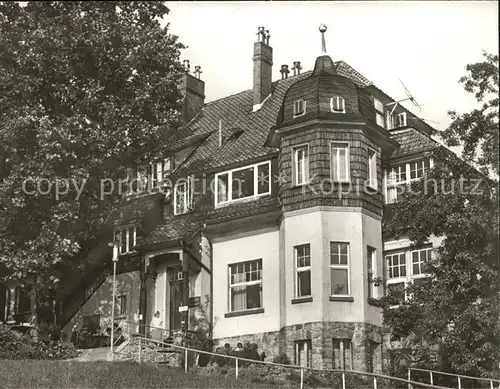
<point>340,269</point>
<point>396,265</point>
<point>400,120</point>
<point>299,108</point>
<point>126,238</point>
<point>159,171</point>
<point>398,176</point>
<point>339,161</point>
<point>342,354</point>
<point>242,183</point>
<point>183,196</point>
<point>337,104</point>
<point>148,177</point>
<point>379,112</point>
<point>400,271</point>
<point>122,304</point>
<point>419,258</point>
<point>245,285</point>
<point>372,168</point>
<point>302,270</point>
<point>417,169</point>
<point>371,265</point>
<point>303,353</point>
<point>301,165</point>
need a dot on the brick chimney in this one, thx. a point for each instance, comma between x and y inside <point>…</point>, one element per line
<point>262,67</point>
<point>193,89</point>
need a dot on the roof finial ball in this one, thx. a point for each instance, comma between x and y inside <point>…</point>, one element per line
<point>322,29</point>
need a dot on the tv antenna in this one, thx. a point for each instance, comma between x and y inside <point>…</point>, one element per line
<point>409,96</point>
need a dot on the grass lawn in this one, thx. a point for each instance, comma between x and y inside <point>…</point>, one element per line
<point>73,374</point>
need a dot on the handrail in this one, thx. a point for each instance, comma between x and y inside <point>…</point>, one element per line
<point>455,375</point>
<point>459,377</point>
<point>352,372</point>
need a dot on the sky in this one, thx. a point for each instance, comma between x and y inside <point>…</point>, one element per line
<point>425,44</point>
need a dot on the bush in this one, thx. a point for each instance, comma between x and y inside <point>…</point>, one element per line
<point>282,359</point>
<point>16,346</point>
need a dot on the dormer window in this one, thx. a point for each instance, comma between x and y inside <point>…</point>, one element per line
<point>401,120</point>
<point>299,108</point>
<point>126,237</point>
<point>337,104</point>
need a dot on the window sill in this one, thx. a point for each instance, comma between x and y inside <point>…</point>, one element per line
<point>300,300</point>
<point>244,313</point>
<point>242,200</point>
<point>346,299</point>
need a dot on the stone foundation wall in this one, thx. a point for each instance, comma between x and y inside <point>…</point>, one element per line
<point>321,335</point>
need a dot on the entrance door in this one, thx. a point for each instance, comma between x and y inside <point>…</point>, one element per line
<point>176,298</point>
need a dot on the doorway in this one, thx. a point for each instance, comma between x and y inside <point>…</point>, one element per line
<point>176,281</point>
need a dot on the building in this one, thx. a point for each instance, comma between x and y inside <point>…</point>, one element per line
<point>266,218</point>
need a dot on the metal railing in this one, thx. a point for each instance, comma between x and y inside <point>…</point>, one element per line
<point>377,378</point>
<point>494,383</point>
<point>164,333</point>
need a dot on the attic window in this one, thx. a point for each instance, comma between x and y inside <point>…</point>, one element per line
<point>401,119</point>
<point>234,134</point>
<point>299,108</point>
<point>337,104</point>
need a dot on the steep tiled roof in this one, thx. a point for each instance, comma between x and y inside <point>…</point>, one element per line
<point>175,229</point>
<point>236,115</point>
<point>236,112</point>
<point>412,141</point>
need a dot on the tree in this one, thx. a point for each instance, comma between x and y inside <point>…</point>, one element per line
<point>456,311</point>
<point>477,131</point>
<point>87,90</point>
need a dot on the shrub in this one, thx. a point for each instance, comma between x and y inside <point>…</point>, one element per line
<point>16,346</point>
<point>282,359</point>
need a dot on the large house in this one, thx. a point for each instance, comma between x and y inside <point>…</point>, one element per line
<point>266,218</point>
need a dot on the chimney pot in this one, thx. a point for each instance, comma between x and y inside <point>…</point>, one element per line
<point>197,72</point>
<point>296,68</point>
<point>262,67</point>
<point>284,71</point>
<point>193,89</point>
<point>187,66</point>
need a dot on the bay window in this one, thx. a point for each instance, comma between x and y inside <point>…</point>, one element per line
<point>339,161</point>
<point>301,165</point>
<point>339,269</point>
<point>245,285</point>
<point>372,271</point>
<point>242,183</point>
<point>302,270</point>
<point>372,168</point>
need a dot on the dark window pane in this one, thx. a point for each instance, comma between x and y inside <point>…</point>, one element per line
<point>253,296</point>
<point>339,279</point>
<point>222,188</point>
<point>243,183</point>
<point>304,283</point>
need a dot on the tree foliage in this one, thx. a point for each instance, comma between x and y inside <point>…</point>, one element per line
<point>456,311</point>
<point>477,131</point>
<point>87,90</point>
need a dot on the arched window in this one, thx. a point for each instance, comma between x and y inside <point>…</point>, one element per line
<point>337,104</point>
<point>299,108</point>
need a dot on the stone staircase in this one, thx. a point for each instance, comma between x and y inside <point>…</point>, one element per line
<point>149,352</point>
